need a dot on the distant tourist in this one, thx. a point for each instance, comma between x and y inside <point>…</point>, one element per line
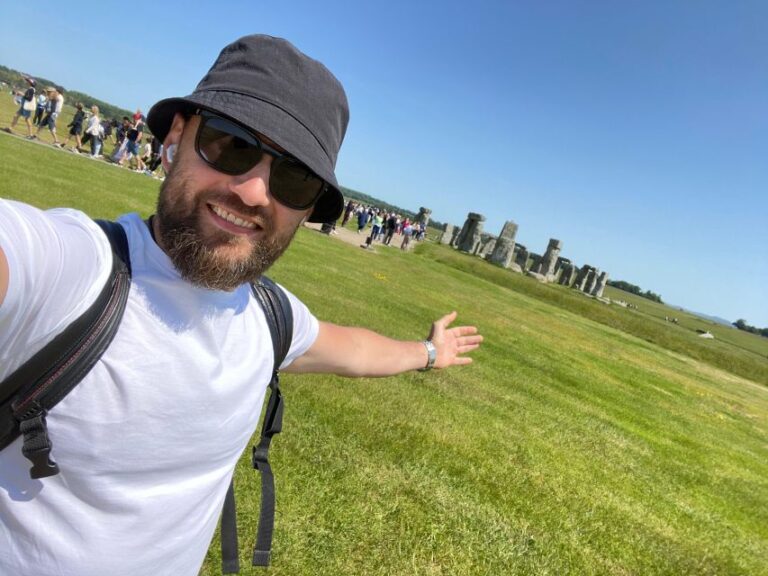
<point>422,230</point>
<point>55,105</point>
<point>76,128</point>
<point>348,213</point>
<point>27,105</point>
<point>362,220</point>
<point>390,225</point>
<point>42,103</point>
<point>95,132</point>
<point>156,156</point>
<point>407,233</point>
<point>121,141</point>
<point>133,143</point>
<point>376,229</point>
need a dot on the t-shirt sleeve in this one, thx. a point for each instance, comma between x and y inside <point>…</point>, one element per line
<point>58,262</point>
<point>305,329</point>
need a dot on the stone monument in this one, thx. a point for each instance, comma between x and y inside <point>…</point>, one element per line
<point>567,274</point>
<point>591,280</point>
<point>509,230</point>
<point>503,252</point>
<point>535,259</point>
<point>549,260</point>
<point>469,238</point>
<point>521,257</point>
<point>560,264</point>
<point>581,276</point>
<point>455,236</point>
<point>602,280</point>
<point>487,242</point>
<point>423,216</point>
<point>447,234</point>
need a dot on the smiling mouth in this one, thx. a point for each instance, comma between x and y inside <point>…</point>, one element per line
<point>231,218</point>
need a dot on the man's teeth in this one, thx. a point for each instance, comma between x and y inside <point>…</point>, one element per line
<point>232,218</point>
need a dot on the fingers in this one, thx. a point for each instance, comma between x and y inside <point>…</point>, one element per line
<point>464,330</point>
<point>473,339</point>
<point>446,320</point>
<point>467,347</point>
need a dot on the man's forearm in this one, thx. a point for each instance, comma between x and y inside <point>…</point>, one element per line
<point>355,352</point>
<point>348,351</point>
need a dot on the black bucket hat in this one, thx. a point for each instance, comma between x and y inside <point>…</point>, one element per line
<point>269,86</point>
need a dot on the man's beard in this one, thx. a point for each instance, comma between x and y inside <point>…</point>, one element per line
<point>203,261</point>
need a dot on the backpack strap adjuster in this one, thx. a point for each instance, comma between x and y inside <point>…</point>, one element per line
<point>37,444</point>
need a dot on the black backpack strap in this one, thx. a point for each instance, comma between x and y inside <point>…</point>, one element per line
<point>44,380</point>
<point>277,309</point>
<point>116,235</point>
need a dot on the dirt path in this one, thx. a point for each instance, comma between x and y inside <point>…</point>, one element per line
<point>352,237</point>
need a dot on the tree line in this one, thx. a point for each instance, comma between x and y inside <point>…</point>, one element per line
<point>631,288</point>
<point>15,80</point>
<point>371,201</point>
<point>741,324</point>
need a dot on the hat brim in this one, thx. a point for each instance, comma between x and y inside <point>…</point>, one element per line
<point>267,119</point>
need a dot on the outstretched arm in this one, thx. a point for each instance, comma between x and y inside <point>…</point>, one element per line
<point>358,352</point>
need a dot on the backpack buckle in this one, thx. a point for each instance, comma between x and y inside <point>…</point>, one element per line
<point>260,456</point>
<point>37,444</point>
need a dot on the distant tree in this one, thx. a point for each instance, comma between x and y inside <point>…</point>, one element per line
<point>632,289</point>
<point>652,296</point>
<point>106,109</point>
<point>741,324</point>
<point>15,79</point>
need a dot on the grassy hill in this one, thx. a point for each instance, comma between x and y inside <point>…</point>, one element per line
<point>585,438</point>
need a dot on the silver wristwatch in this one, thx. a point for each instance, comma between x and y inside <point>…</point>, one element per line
<point>431,355</point>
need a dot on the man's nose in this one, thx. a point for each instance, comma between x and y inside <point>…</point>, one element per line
<point>253,186</point>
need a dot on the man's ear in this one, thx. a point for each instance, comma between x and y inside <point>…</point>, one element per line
<point>172,140</point>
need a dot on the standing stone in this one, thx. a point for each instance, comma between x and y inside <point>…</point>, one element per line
<point>447,235</point>
<point>590,282</point>
<point>521,257</point>
<point>548,261</point>
<point>600,285</point>
<point>423,216</point>
<point>470,234</point>
<point>566,277</point>
<point>487,242</point>
<point>560,264</point>
<point>503,252</point>
<point>581,276</point>
<point>535,259</point>
<point>462,233</point>
<point>509,231</point>
<point>455,236</point>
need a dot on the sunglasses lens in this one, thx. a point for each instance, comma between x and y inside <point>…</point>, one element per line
<point>227,147</point>
<point>233,150</point>
<point>293,184</point>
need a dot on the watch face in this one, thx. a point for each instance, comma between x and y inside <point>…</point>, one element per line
<point>431,355</point>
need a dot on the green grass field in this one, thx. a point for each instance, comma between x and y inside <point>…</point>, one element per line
<point>585,438</point>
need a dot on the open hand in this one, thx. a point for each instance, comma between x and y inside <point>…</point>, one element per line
<point>452,343</point>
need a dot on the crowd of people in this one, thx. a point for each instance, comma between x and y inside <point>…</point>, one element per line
<point>132,147</point>
<point>383,224</point>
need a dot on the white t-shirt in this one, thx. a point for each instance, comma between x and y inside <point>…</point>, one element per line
<point>148,440</point>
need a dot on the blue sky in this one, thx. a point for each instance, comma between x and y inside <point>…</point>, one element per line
<point>636,132</point>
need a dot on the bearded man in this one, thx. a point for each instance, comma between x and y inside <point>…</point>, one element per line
<point>148,441</point>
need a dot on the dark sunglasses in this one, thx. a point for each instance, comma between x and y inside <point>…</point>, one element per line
<point>233,149</point>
